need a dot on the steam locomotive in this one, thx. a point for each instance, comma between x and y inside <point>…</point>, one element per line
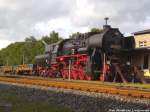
<point>88,56</point>
<point>100,55</point>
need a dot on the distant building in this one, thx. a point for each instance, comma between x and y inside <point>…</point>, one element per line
<point>141,52</point>
<point>142,38</point>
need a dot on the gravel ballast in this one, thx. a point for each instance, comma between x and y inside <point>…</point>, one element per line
<point>78,101</point>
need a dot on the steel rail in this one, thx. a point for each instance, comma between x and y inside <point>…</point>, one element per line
<point>80,86</point>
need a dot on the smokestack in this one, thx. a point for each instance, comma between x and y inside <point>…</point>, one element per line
<point>106,20</point>
<point>106,26</point>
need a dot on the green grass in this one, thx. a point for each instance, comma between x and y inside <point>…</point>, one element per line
<point>19,104</point>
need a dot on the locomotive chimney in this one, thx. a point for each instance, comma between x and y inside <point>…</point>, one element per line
<point>106,26</point>
<point>106,20</point>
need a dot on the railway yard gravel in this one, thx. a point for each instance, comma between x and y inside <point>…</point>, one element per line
<point>78,101</point>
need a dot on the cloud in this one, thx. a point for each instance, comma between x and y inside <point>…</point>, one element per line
<point>22,18</point>
<point>62,25</point>
<point>127,14</point>
<point>19,19</point>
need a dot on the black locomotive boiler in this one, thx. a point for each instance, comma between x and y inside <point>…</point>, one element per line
<point>88,56</point>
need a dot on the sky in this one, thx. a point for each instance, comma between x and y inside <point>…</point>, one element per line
<point>23,18</point>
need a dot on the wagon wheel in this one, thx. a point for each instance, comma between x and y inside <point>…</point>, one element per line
<point>49,73</point>
<point>74,73</point>
<point>58,75</point>
<point>53,73</point>
<point>65,73</point>
<point>80,72</point>
<point>87,77</point>
<point>42,73</point>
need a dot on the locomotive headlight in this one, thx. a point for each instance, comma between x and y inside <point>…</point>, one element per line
<point>128,63</point>
<point>61,59</point>
<point>108,62</point>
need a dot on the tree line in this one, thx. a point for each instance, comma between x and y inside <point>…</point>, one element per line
<point>25,52</point>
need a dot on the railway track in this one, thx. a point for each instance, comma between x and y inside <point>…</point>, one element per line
<point>99,88</point>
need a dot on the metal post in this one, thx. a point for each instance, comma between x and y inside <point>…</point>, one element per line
<point>106,20</point>
<point>103,77</point>
<point>23,58</point>
<point>69,69</point>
